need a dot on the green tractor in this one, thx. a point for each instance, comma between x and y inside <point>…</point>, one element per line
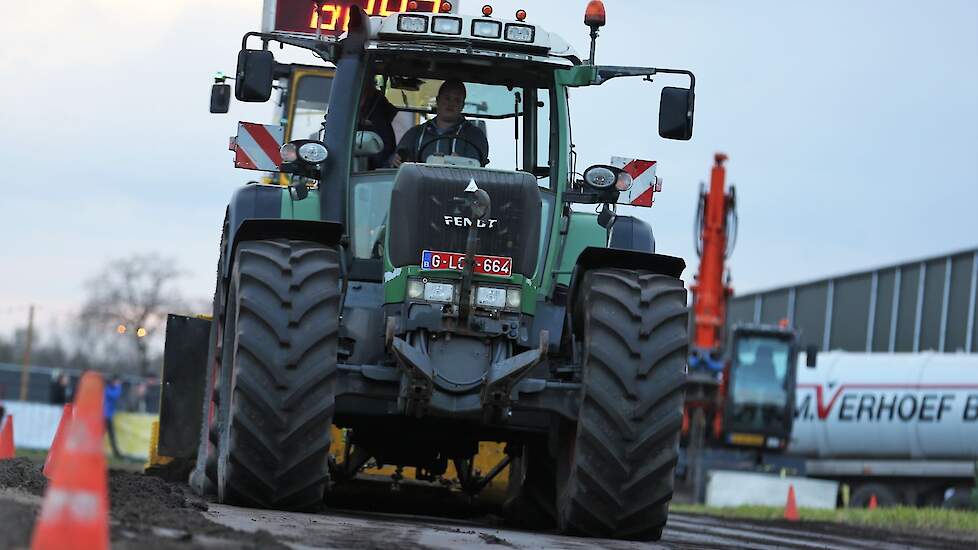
<point>427,308</point>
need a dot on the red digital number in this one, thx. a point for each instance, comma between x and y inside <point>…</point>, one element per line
<point>335,18</point>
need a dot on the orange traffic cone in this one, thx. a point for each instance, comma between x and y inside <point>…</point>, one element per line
<point>75,509</point>
<point>791,508</point>
<point>58,442</point>
<point>7,438</point>
<point>872,502</point>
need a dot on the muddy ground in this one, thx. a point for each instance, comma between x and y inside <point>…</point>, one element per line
<point>148,513</point>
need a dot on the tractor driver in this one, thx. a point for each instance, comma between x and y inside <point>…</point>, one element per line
<point>449,133</point>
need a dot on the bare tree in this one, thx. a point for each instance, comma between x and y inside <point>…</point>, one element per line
<point>126,307</point>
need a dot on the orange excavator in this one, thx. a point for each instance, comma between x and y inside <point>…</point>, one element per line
<point>741,383</point>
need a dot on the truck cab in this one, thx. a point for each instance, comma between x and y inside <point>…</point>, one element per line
<point>760,387</point>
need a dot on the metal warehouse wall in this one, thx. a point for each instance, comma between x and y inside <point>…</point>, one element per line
<point>923,305</point>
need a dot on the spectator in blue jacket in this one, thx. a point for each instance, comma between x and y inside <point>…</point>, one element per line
<point>113,391</point>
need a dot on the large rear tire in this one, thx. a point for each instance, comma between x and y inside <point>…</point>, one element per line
<point>615,467</point>
<point>530,500</point>
<point>278,375</point>
<point>203,479</point>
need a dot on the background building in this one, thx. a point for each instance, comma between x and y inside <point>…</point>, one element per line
<point>927,304</point>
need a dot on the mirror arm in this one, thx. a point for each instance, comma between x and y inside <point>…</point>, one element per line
<point>607,72</point>
<point>323,47</point>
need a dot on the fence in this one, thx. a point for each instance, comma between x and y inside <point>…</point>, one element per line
<point>41,379</point>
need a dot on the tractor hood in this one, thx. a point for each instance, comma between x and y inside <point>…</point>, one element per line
<point>429,211</point>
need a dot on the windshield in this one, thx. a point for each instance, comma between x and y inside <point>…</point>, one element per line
<point>757,383</point>
<point>371,200</point>
<point>482,100</point>
<point>311,100</point>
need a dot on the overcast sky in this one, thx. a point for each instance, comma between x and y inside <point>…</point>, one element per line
<point>851,126</point>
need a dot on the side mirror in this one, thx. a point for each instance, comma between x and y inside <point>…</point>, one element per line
<point>254,76</point>
<point>676,113</point>
<point>220,98</point>
<point>811,356</point>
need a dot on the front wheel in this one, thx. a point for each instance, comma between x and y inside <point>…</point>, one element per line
<point>615,467</point>
<point>278,375</point>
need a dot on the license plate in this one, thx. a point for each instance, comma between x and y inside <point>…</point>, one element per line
<point>484,265</point>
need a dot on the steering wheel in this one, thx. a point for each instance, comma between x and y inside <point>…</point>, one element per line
<point>483,159</point>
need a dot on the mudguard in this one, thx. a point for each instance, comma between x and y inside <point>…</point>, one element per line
<point>182,385</point>
<point>255,212</point>
<point>594,257</point>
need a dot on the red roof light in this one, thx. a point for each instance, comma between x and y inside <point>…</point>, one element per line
<point>412,5</point>
<point>446,7</point>
<point>594,15</point>
<point>521,15</point>
<point>487,10</point>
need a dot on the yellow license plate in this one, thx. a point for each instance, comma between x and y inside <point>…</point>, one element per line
<point>753,440</point>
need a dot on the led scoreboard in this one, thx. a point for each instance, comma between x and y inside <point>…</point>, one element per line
<point>333,19</point>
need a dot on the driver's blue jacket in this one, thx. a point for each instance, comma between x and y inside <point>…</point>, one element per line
<point>461,140</point>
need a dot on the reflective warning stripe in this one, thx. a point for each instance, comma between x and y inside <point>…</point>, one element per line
<point>80,438</point>
<point>643,180</point>
<point>257,146</point>
<point>79,505</point>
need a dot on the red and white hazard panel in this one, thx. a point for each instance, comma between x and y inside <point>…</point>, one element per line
<point>256,146</point>
<point>644,182</point>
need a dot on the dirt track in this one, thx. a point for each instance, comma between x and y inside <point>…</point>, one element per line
<point>148,513</point>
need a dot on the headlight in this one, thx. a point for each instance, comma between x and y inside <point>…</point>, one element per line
<point>490,297</point>
<point>599,177</point>
<point>412,23</point>
<point>520,33</point>
<point>446,25</point>
<point>415,289</point>
<point>439,292</point>
<point>514,297</point>
<point>288,152</point>
<point>487,29</point>
<point>313,153</point>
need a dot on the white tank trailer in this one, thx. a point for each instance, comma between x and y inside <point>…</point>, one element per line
<point>903,426</point>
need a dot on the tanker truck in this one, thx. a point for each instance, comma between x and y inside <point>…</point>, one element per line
<point>900,426</point>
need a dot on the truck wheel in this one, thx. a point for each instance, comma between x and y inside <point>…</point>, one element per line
<point>885,496</point>
<point>278,375</point>
<point>616,466</point>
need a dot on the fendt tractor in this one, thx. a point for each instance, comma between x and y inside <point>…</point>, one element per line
<point>449,301</point>
<point>741,386</point>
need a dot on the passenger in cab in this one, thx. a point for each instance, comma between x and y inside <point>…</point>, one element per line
<point>376,115</point>
<point>449,133</point>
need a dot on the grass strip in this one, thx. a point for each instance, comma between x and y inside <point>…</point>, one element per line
<point>900,517</point>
